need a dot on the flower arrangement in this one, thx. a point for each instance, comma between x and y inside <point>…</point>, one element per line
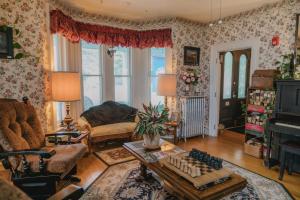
<point>191,76</point>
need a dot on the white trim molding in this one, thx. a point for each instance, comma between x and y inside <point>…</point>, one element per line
<point>215,74</point>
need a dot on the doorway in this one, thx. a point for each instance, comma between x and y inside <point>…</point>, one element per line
<point>235,72</point>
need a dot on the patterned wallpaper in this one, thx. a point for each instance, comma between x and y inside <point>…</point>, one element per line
<point>25,77</point>
<point>22,77</point>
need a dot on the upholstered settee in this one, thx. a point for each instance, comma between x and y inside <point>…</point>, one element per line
<point>109,121</point>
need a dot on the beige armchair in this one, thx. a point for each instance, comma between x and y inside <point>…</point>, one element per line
<point>35,168</point>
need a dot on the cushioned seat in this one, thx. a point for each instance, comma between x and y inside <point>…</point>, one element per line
<point>63,160</point>
<point>113,129</point>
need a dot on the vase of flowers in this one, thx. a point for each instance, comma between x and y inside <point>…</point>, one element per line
<point>190,77</point>
<point>151,125</point>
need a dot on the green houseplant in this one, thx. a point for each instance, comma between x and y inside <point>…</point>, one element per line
<point>151,125</point>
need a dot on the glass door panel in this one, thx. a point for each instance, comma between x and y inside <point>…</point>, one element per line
<point>227,83</point>
<point>242,77</point>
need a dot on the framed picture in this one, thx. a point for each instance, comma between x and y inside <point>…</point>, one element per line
<point>191,56</point>
<point>6,42</point>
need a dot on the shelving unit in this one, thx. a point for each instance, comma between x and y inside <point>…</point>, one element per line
<point>260,105</point>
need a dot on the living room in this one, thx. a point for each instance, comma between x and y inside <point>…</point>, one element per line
<point>127,99</point>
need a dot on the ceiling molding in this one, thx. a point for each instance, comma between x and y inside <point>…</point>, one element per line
<point>106,20</point>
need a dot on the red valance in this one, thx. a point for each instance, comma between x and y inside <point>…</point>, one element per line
<point>97,34</point>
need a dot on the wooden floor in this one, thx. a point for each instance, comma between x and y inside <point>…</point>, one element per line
<point>228,146</point>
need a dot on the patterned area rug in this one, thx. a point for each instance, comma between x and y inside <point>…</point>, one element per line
<point>118,183</point>
<point>115,156</point>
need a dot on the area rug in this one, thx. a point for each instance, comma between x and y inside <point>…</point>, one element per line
<point>119,183</point>
<point>115,156</point>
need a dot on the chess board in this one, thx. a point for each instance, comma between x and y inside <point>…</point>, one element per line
<point>199,173</point>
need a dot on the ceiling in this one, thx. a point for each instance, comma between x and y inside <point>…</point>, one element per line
<point>196,10</point>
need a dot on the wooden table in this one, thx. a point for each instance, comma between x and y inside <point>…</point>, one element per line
<point>175,183</point>
<point>172,128</point>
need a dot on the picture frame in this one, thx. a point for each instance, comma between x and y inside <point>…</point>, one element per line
<point>6,43</point>
<point>191,56</point>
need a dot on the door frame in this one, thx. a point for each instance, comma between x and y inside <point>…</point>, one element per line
<point>215,75</point>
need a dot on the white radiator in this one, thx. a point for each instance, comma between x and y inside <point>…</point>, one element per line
<point>193,116</point>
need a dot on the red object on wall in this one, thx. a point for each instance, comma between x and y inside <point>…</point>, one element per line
<point>112,36</point>
<point>275,40</point>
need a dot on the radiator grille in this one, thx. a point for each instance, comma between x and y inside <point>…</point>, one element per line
<point>193,116</point>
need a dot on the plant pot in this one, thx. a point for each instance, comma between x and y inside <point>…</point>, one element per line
<point>151,143</point>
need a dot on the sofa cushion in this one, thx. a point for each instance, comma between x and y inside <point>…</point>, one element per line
<point>113,129</point>
<point>62,161</point>
<point>109,112</point>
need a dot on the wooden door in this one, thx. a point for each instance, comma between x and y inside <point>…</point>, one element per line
<point>235,70</point>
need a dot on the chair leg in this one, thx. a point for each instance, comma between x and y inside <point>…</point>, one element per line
<point>282,164</point>
<point>291,163</point>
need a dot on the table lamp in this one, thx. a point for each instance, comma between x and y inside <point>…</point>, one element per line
<point>66,88</point>
<point>166,86</point>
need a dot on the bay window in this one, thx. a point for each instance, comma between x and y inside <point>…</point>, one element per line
<point>91,74</point>
<point>158,66</point>
<point>122,75</point>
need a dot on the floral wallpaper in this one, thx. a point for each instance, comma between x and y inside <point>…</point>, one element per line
<point>25,77</point>
<point>22,77</point>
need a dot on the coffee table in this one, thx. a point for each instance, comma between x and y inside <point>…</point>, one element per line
<point>173,182</point>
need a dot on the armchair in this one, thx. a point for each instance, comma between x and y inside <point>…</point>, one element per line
<point>34,168</point>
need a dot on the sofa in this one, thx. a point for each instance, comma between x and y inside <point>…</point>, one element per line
<point>109,121</point>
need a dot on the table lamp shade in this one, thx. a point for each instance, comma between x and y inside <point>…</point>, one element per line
<point>65,86</point>
<point>166,85</point>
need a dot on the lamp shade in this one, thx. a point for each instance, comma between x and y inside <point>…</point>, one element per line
<point>65,86</point>
<point>166,85</point>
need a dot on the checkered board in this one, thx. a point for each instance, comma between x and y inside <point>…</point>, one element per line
<point>204,168</point>
<point>207,177</point>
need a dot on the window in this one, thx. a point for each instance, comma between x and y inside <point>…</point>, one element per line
<point>91,74</point>
<point>158,65</point>
<point>227,75</point>
<point>122,75</point>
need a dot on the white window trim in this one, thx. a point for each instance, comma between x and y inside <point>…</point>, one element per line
<point>101,63</point>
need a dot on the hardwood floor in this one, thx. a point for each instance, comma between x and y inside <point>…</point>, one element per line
<point>228,146</point>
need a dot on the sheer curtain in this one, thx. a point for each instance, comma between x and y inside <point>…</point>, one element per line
<point>67,57</point>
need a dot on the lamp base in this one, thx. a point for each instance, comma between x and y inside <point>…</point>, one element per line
<point>68,119</point>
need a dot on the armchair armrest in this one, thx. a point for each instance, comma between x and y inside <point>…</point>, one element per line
<point>41,153</point>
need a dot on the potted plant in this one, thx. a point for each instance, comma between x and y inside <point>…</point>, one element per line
<point>151,125</point>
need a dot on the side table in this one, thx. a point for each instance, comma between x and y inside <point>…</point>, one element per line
<point>172,128</point>
<point>73,137</point>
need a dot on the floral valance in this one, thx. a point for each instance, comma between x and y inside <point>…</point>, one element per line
<point>97,34</point>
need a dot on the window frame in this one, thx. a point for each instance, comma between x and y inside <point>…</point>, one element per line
<point>129,75</point>
<point>100,76</point>
<point>150,76</point>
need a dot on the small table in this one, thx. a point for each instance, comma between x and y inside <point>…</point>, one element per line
<point>80,135</point>
<point>172,128</point>
<point>174,182</point>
